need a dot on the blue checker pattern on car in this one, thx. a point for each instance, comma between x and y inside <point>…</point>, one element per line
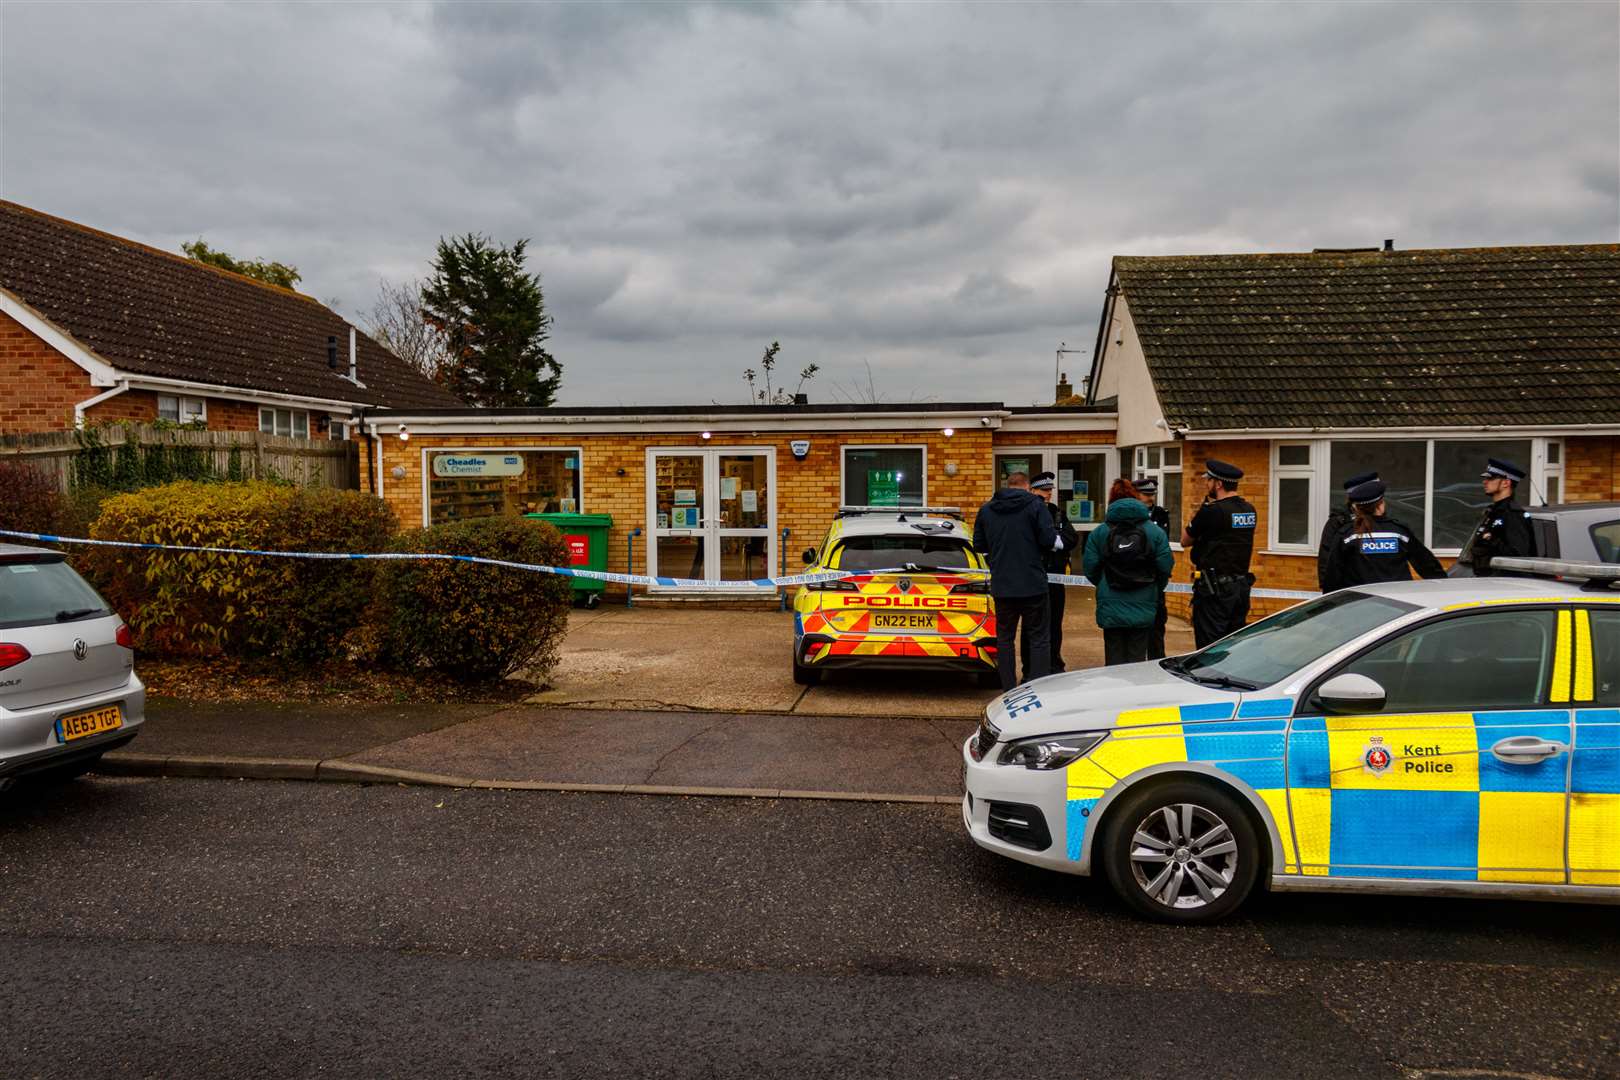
<point>1597,752</point>
<point>1209,710</point>
<point>1078,816</point>
<point>1265,708</point>
<point>1310,765</point>
<point>1406,834</point>
<point>1260,775</point>
<point>1494,775</point>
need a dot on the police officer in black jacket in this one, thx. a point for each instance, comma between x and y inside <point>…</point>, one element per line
<point>1221,538</point>
<point>1504,527</point>
<point>1338,524</point>
<point>1148,488</point>
<point>1376,547</point>
<point>1044,484</point>
<point>1015,533</point>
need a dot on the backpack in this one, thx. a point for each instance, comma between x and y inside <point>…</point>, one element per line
<point>1128,557</point>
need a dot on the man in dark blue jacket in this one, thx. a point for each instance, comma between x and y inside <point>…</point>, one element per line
<point>1016,533</point>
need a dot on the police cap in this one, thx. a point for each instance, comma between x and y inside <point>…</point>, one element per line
<point>1042,480</point>
<point>1359,479</point>
<point>1505,469</point>
<point>1222,470</point>
<point>1146,485</point>
<point>1367,493</point>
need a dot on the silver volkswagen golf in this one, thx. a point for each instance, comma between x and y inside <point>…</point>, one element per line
<point>68,691</point>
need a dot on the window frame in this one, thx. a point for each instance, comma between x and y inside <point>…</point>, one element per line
<point>1315,515</point>
<point>1310,705</point>
<point>843,466</point>
<point>182,404</point>
<point>292,422</point>
<point>1139,467</point>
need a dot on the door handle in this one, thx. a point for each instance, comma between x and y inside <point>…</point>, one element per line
<point>1526,749</point>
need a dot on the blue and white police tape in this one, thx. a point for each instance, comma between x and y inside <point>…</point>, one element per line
<point>591,575</point>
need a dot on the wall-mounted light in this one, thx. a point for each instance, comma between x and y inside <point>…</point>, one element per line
<point>707,435</point>
<point>404,433</point>
<point>950,468</point>
<point>397,472</point>
<point>949,432</point>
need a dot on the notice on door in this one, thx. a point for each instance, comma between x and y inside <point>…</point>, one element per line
<point>750,501</point>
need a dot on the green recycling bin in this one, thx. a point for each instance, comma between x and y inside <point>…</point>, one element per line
<point>586,537</point>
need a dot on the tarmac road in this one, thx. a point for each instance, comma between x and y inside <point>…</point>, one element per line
<point>251,928</point>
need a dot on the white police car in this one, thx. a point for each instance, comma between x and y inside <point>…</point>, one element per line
<point>1458,736</point>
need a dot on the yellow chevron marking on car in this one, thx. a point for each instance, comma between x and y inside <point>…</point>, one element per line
<point>1561,661</point>
<point>1142,738</point>
<point>1583,656</point>
<point>1594,838</point>
<point>1523,829</point>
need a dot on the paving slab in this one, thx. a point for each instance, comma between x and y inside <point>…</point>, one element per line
<point>645,750</point>
<point>286,729</point>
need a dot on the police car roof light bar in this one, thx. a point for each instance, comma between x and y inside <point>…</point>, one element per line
<point>1596,575</point>
<point>901,511</point>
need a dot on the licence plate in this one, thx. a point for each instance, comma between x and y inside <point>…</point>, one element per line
<point>84,724</point>
<point>889,621</point>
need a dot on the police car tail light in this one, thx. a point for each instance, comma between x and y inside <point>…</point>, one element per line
<point>833,586</point>
<point>1050,751</point>
<point>980,586</point>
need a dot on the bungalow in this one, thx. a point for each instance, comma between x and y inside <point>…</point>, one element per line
<point>97,328</point>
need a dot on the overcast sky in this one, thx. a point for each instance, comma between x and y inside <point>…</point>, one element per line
<point>932,189</point>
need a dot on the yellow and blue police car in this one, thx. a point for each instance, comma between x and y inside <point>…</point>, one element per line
<point>1458,736</point>
<point>919,596</point>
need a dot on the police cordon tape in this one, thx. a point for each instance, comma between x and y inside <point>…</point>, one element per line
<point>762,584</point>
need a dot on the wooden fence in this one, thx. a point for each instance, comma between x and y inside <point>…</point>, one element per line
<point>248,454</point>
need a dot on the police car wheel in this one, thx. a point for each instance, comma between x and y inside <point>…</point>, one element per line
<point>1182,852</point>
<point>805,676</point>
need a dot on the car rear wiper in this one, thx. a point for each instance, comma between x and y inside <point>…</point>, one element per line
<point>77,613</point>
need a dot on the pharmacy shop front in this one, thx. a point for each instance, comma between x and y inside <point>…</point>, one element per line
<point>723,494</point>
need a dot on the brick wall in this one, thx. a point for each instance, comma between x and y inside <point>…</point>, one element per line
<point>40,386</point>
<point>1591,468</point>
<point>807,492</point>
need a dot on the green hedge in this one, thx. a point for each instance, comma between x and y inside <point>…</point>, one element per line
<point>468,621</point>
<point>193,603</point>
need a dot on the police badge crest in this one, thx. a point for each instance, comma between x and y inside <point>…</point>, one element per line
<point>1376,758</point>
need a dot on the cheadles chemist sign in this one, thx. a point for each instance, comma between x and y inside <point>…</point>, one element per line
<point>449,465</point>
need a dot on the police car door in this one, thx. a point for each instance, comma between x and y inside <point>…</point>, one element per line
<point>1461,775</point>
<point>1594,797</point>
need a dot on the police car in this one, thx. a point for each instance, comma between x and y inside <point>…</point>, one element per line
<point>1452,736</point>
<point>920,597</point>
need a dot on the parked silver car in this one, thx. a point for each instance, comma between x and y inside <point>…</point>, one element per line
<point>1575,532</point>
<point>68,690</point>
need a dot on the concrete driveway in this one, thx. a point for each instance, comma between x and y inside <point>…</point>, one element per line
<point>651,657</point>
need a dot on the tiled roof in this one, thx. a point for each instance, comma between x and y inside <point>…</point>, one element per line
<point>1519,336</point>
<point>149,312</point>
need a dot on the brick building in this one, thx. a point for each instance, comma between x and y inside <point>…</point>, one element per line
<point>96,328</point>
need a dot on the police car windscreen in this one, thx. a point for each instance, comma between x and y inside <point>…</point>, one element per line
<point>1268,651</point>
<point>898,552</point>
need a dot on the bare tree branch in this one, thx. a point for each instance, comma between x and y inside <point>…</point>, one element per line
<point>396,322</point>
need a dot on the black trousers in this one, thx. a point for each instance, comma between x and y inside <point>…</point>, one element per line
<point>1126,645</point>
<point>1057,599</point>
<point>1034,613</point>
<point>1161,618</point>
<point>1220,609</point>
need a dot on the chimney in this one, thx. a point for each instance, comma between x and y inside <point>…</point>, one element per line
<point>354,373</point>
<point>801,399</point>
<point>1064,388</point>
<point>331,351</point>
<point>1389,245</point>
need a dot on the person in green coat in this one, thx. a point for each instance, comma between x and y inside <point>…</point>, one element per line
<point>1129,561</point>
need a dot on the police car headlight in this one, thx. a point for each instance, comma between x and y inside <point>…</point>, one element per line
<point>1050,751</point>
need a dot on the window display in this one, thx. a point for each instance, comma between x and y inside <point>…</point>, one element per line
<point>475,483</point>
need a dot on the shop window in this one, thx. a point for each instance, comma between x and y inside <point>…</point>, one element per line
<point>179,409</point>
<point>289,422</point>
<point>884,476</point>
<point>475,483</point>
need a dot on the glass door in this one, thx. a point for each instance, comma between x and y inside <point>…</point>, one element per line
<point>712,514</point>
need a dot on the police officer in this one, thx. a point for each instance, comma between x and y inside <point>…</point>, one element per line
<point>1044,484</point>
<point>1376,547</point>
<point>1148,489</point>
<point>1504,527</point>
<point>1338,524</point>
<point>1221,539</point>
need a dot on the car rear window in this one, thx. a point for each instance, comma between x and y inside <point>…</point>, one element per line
<point>901,552</point>
<point>38,593</point>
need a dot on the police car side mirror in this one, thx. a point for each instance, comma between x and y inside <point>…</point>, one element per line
<point>809,556</point>
<point>1349,694</point>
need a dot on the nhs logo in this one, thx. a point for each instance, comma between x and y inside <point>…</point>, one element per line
<point>1380,546</point>
<point>1243,521</point>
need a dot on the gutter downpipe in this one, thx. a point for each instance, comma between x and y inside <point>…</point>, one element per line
<point>81,407</point>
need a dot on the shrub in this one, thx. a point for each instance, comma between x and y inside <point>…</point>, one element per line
<point>33,501</point>
<point>201,603</point>
<point>468,621</point>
